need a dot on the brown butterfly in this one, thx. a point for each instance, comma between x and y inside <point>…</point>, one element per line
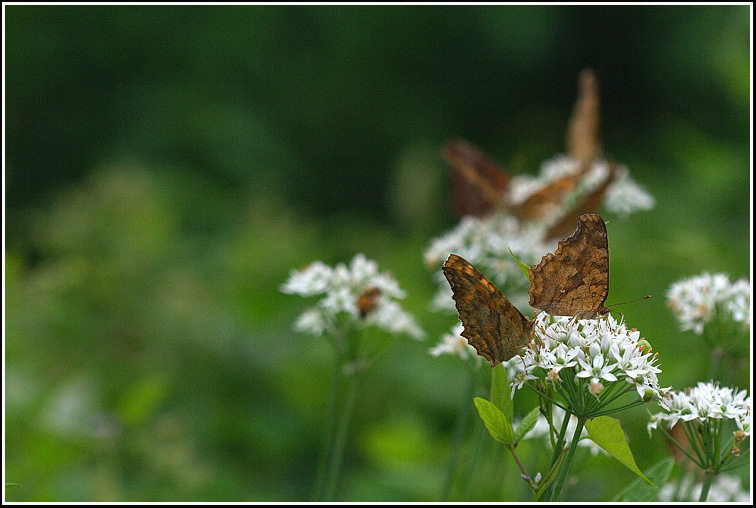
<point>574,281</point>
<point>367,300</point>
<point>589,204</point>
<point>479,185</point>
<point>492,325</point>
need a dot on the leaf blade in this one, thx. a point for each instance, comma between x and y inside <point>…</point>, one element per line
<point>495,420</point>
<point>608,434</point>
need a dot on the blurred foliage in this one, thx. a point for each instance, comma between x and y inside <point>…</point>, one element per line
<point>167,166</point>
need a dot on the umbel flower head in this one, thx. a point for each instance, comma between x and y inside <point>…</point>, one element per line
<point>590,363</point>
<point>703,411</point>
<point>706,403</point>
<point>355,295</point>
<point>699,300</point>
<point>486,241</point>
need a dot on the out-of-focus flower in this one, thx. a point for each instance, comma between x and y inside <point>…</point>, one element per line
<point>725,488</point>
<point>454,344</point>
<point>697,301</point>
<point>358,292</point>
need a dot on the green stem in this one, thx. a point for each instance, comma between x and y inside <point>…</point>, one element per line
<point>460,426</point>
<point>560,439</point>
<point>683,450</point>
<point>341,434</point>
<point>616,409</point>
<point>327,444</point>
<point>568,459</point>
<point>708,478</point>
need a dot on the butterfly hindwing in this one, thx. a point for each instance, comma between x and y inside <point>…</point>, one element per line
<point>574,280</point>
<point>492,325</point>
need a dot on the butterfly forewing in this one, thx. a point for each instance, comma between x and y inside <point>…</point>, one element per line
<point>492,325</point>
<point>574,281</point>
<point>478,183</point>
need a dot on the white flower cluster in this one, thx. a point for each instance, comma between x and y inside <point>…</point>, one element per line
<point>600,351</point>
<point>696,301</point>
<point>706,401</point>
<point>343,286</point>
<point>485,242</point>
<point>724,489</point>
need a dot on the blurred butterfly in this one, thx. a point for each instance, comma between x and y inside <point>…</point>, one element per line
<point>480,185</point>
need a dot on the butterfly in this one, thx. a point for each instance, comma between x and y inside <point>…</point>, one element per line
<point>480,186</point>
<point>589,204</point>
<point>367,300</point>
<point>574,280</point>
<point>492,325</point>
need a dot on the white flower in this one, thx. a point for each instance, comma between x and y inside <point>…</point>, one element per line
<point>597,370</point>
<point>453,343</point>
<point>342,287</point>
<point>743,419</point>
<point>706,401</point>
<point>624,196</point>
<point>313,280</point>
<point>696,300</point>
<point>600,351</point>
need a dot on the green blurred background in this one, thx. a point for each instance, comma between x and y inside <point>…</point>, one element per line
<point>166,167</point>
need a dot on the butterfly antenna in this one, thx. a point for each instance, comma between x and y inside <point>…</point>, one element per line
<point>631,301</point>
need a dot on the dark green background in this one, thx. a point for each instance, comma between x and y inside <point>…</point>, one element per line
<point>166,167</point>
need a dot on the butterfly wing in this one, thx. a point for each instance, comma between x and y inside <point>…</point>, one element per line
<point>583,142</point>
<point>574,281</point>
<point>477,183</point>
<point>492,325</point>
<point>542,203</point>
<point>589,204</point>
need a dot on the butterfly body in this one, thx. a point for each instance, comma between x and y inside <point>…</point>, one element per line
<point>574,280</point>
<point>492,324</point>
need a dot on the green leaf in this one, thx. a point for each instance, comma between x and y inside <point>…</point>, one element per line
<point>607,433</point>
<point>500,394</point>
<point>527,424</point>
<point>496,423</point>
<point>522,265</point>
<point>640,491</point>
